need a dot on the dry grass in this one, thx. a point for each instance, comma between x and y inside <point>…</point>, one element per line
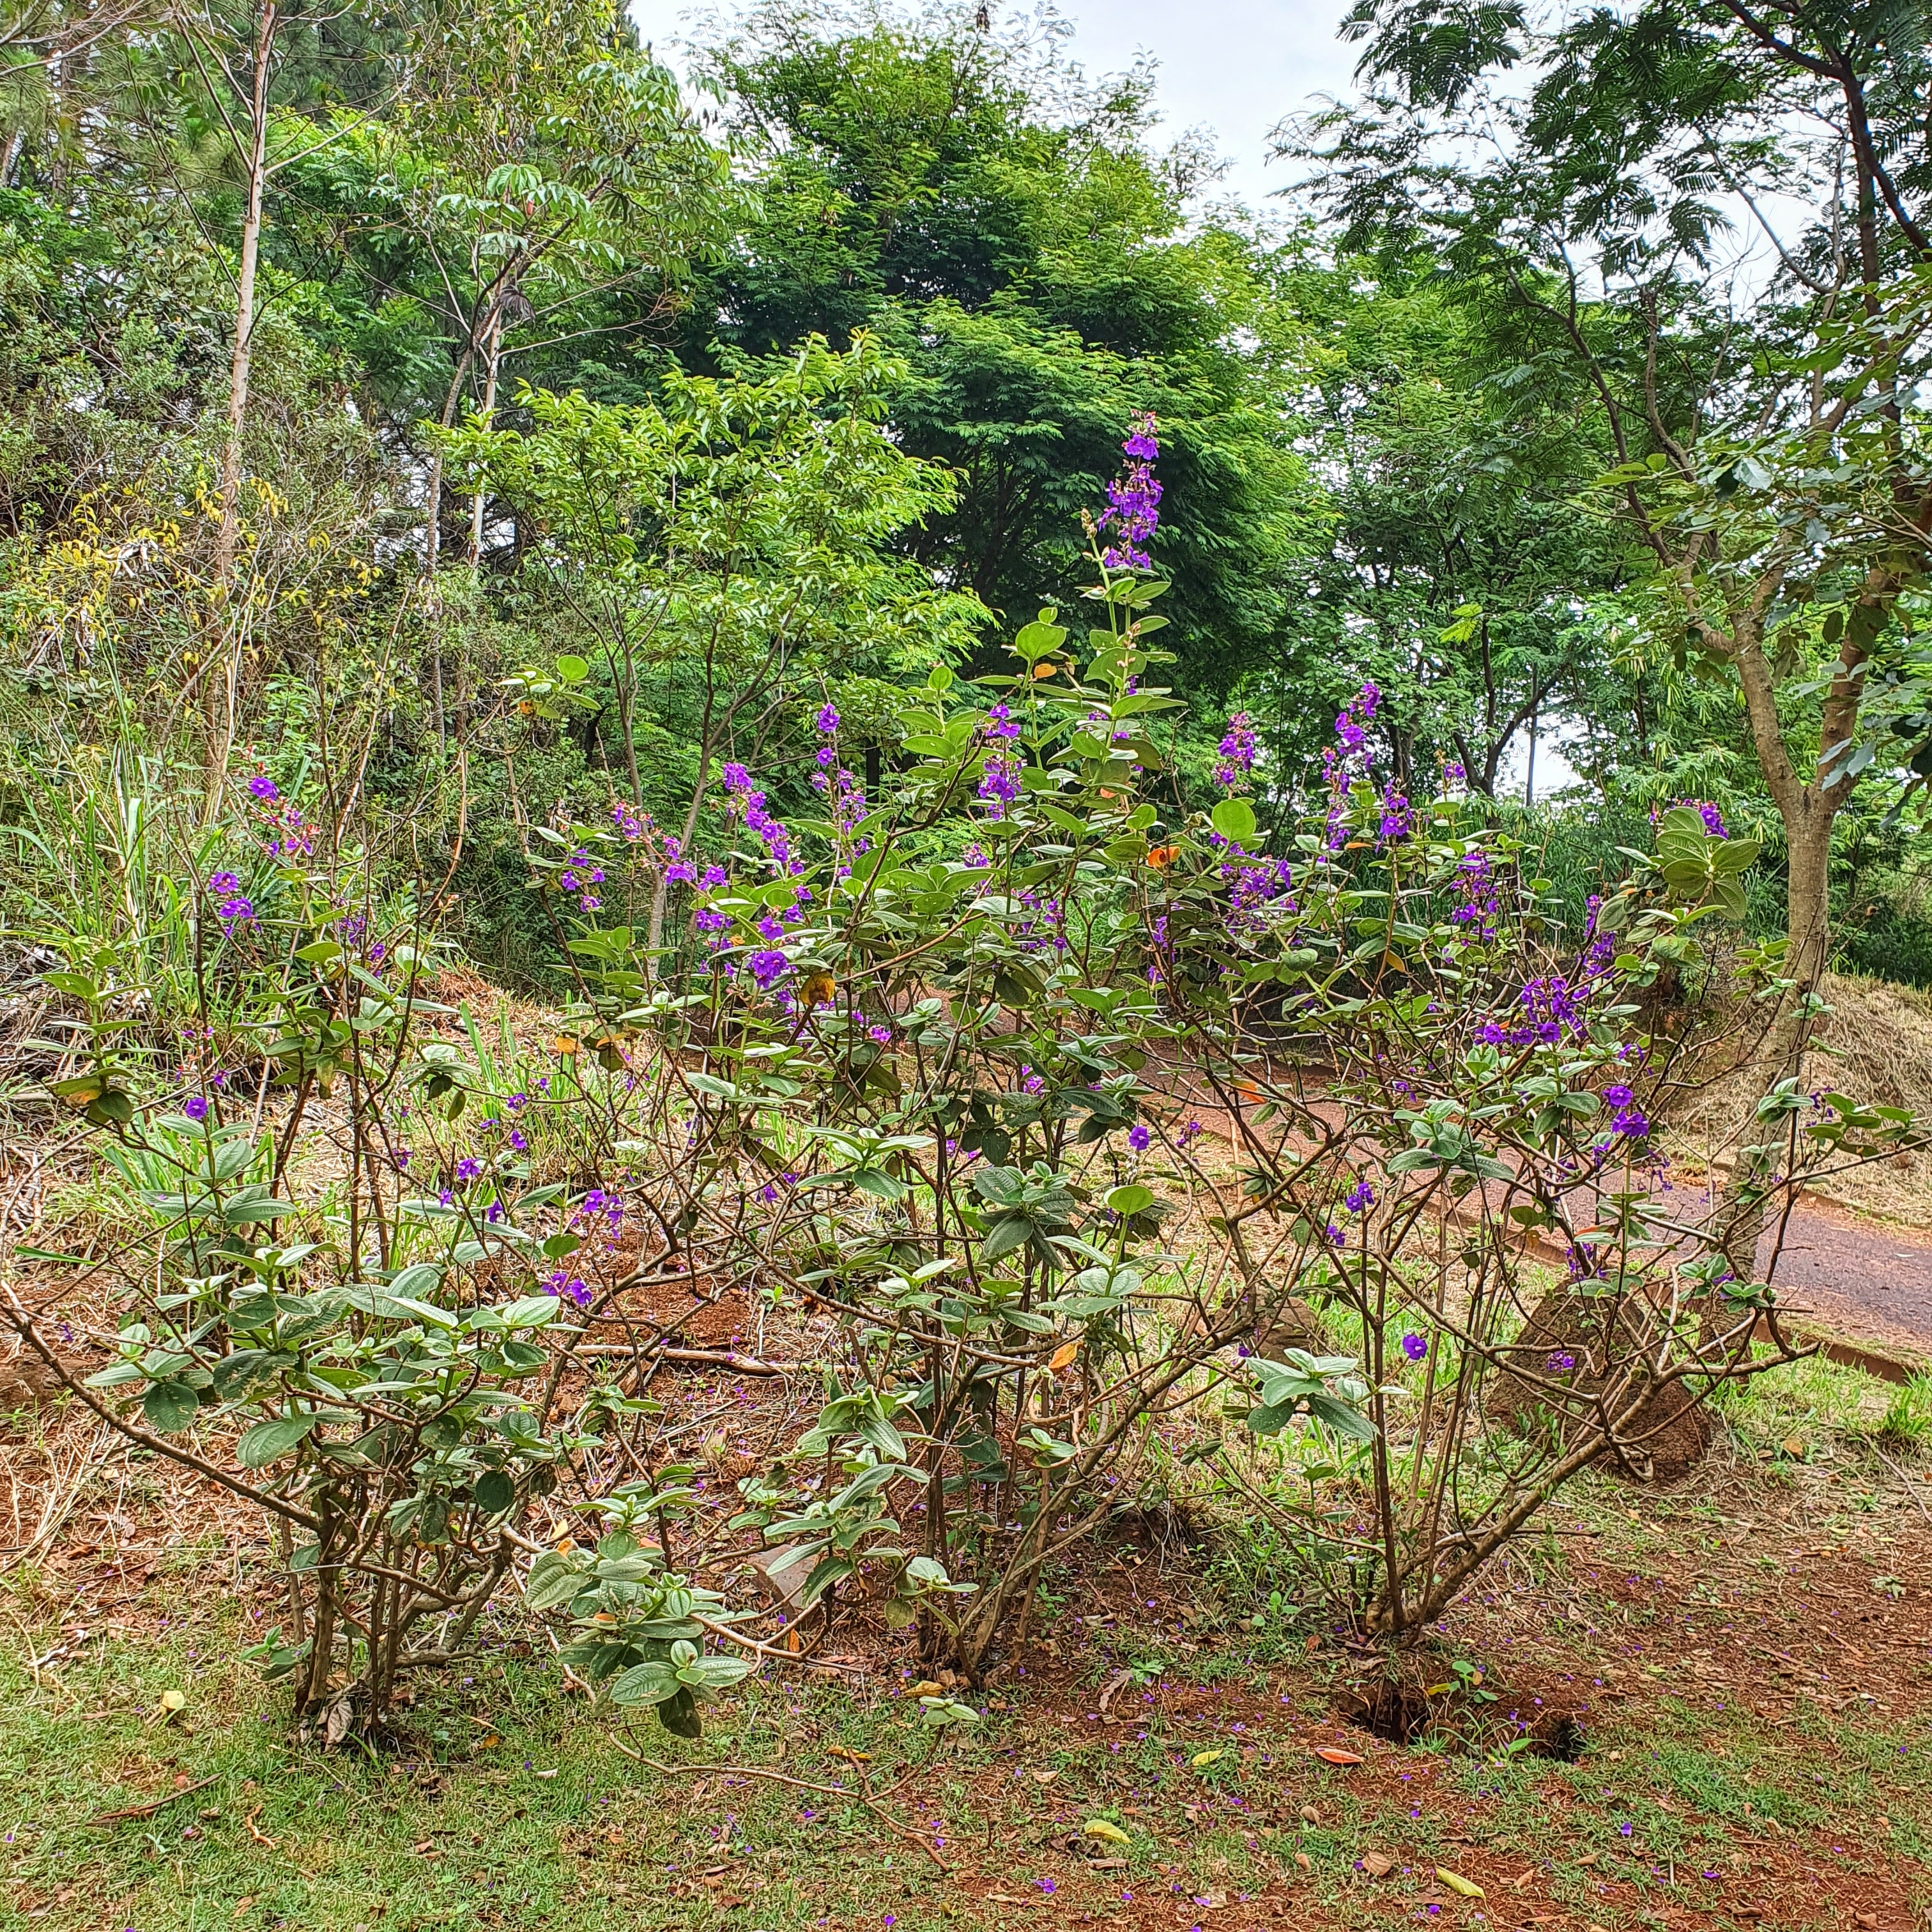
<point>1876,1046</point>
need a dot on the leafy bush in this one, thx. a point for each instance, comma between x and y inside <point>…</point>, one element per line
<point>935,1060</point>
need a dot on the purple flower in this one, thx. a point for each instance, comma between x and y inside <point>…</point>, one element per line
<point>1414,1347</point>
<point>1001,786</point>
<point>828,720</point>
<point>571,1289</point>
<point>1238,749</point>
<point>220,883</point>
<point>1476,907</point>
<point>1138,1137</point>
<point>1359,1196</point>
<point>401,1158</point>
<point>467,1169</point>
<point>263,787</point>
<point>236,911</point>
<point>1560,1362</point>
<point>1714,819</point>
<point>1133,501</point>
<point>767,966</point>
<point>1001,723</point>
<point>519,1140</point>
<point>195,1107</point>
<point>883,1034</point>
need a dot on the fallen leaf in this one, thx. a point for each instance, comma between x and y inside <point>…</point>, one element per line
<point>1104,1827</point>
<point>1045,1776</point>
<point>1309,1815</point>
<point>242,1906</point>
<point>1205,1757</point>
<point>1334,1754</point>
<point>1378,1864</point>
<point>1461,1887</point>
<point>1062,1356</point>
<point>1793,1446</point>
<point>926,1687</point>
<point>850,1755</point>
<point>172,1701</point>
<point>1306,1864</point>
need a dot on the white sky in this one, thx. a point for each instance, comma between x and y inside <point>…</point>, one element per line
<point>1234,67</point>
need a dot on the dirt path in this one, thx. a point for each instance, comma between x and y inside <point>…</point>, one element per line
<point>1840,1273</point>
<point>1859,1278</point>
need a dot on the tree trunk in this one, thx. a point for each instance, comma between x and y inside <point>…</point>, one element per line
<point>493,355</point>
<point>240,365</point>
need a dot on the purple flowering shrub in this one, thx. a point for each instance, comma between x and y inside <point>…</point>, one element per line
<point>1429,1081</point>
<point>937,1062</point>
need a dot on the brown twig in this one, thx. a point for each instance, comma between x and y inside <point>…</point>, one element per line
<point>149,1809</point>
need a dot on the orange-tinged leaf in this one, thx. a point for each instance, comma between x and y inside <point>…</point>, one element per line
<point>1045,670</point>
<point>1063,1356</point>
<point>1161,856</point>
<point>563,1044</point>
<point>1334,1754</point>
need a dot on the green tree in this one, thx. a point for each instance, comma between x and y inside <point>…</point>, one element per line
<point>1000,221</point>
<point>723,548</point>
<point>1767,465</point>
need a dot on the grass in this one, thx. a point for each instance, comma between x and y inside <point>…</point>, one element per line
<point>507,1803</point>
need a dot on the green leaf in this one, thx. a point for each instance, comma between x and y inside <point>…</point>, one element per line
<point>1233,818</point>
<point>652,1683</point>
<point>170,1406</point>
<point>269,1441</point>
<point>495,1492</point>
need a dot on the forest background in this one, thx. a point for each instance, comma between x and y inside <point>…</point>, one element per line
<point>1454,415</point>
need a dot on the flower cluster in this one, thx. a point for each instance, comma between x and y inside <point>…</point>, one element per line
<point>1476,909</point>
<point>1397,820</point>
<point>579,873</point>
<point>1342,767</point>
<point>599,1205</point>
<point>1626,1116</point>
<point>1713,818</point>
<point>841,788</point>
<point>749,805</point>
<point>1238,749</point>
<point>232,906</point>
<point>1133,501</point>
<point>1000,785</point>
<point>567,1287</point>
<point>285,834</point>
